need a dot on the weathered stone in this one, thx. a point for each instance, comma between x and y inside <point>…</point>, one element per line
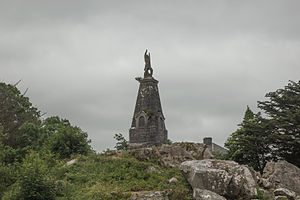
<point>226,178</point>
<point>207,154</point>
<point>152,169</point>
<point>171,155</point>
<point>200,194</point>
<point>285,192</point>
<point>148,122</point>
<point>282,174</point>
<point>280,198</point>
<point>173,180</point>
<point>71,162</point>
<point>158,195</point>
<point>265,183</point>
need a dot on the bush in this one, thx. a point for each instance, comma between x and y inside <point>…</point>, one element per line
<point>34,181</point>
<point>65,139</point>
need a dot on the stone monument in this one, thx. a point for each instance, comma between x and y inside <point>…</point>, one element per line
<point>148,122</point>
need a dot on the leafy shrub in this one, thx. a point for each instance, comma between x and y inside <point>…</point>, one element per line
<point>34,181</point>
<point>65,139</point>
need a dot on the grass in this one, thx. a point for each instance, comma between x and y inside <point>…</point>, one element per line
<point>116,178</point>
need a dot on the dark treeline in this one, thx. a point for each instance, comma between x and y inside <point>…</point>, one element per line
<point>273,135</point>
<point>30,145</point>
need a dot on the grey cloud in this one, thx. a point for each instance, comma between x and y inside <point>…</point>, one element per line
<point>212,58</point>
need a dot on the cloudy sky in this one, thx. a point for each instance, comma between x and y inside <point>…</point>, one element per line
<point>212,58</point>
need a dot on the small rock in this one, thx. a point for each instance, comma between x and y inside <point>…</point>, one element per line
<point>199,194</point>
<point>173,180</point>
<point>71,162</point>
<point>280,198</point>
<point>158,195</point>
<point>152,169</point>
<point>285,192</point>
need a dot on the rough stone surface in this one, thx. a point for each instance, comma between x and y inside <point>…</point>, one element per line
<point>285,192</point>
<point>173,180</point>
<point>148,122</point>
<point>199,194</point>
<point>158,195</point>
<point>282,174</point>
<point>172,155</point>
<point>280,198</point>
<point>152,169</point>
<point>226,178</point>
<point>71,162</point>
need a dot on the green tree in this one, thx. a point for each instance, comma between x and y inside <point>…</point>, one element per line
<point>7,172</point>
<point>283,110</point>
<point>15,110</point>
<point>121,144</point>
<point>250,143</point>
<point>64,139</point>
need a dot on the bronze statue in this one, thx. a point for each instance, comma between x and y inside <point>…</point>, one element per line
<point>148,71</point>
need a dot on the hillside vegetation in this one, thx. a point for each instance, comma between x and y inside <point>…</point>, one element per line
<point>35,152</point>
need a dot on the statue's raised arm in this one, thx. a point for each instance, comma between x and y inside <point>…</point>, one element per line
<point>148,71</point>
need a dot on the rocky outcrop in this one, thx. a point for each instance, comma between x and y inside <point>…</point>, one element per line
<point>199,194</point>
<point>172,155</point>
<point>283,192</point>
<point>158,195</point>
<point>226,178</point>
<point>282,174</point>
<point>283,178</point>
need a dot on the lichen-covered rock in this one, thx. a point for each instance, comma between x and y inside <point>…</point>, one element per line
<point>173,180</point>
<point>226,178</point>
<point>172,155</point>
<point>71,162</point>
<point>285,192</point>
<point>158,195</point>
<point>199,194</point>
<point>152,169</point>
<point>282,174</point>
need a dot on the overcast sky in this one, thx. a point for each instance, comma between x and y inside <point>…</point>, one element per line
<point>212,59</point>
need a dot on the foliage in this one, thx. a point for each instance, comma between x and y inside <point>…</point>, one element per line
<point>250,143</point>
<point>65,139</point>
<point>15,110</point>
<point>260,194</point>
<point>283,110</point>
<point>121,144</point>
<point>7,171</point>
<point>29,146</point>
<point>109,177</point>
<point>169,142</point>
<point>34,180</point>
<point>277,136</point>
<point>220,156</point>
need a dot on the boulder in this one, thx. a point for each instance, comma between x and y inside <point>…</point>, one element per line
<point>158,195</point>
<point>282,174</point>
<point>172,155</point>
<point>199,194</point>
<point>226,178</point>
